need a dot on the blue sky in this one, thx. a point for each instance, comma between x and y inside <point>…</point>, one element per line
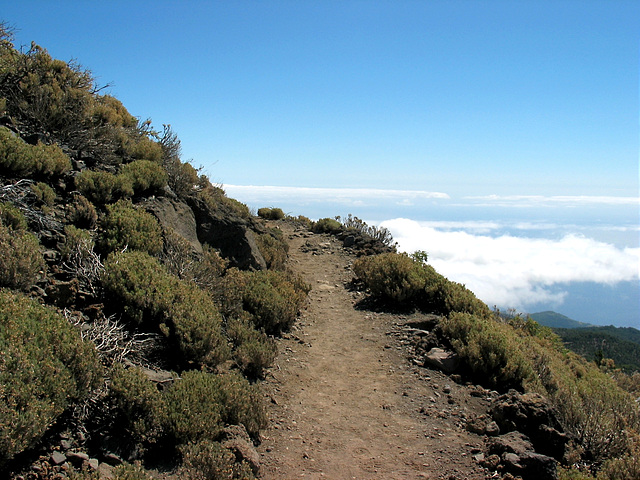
<point>515,123</point>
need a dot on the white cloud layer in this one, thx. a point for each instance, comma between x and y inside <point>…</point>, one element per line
<point>513,271</point>
<point>550,201</point>
<point>355,196</point>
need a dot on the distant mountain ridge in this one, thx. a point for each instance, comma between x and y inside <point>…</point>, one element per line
<point>557,320</point>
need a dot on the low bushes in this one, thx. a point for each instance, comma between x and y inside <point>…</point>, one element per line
<point>253,351</point>
<point>200,404</point>
<point>489,349</point>
<point>271,213</point>
<point>126,226</point>
<point>21,258</point>
<point>139,413</point>
<point>23,160</point>
<point>153,298</point>
<point>274,299</point>
<point>145,176</point>
<point>327,225</point>
<point>44,366</point>
<point>403,279</point>
<point>206,460</point>
<point>274,249</point>
<point>395,277</point>
<point>103,187</point>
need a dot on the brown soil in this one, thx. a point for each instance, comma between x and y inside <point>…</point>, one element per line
<point>346,401</point>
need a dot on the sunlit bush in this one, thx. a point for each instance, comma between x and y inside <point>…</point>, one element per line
<point>271,213</point>
<point>126,226</point>
<point>45,366</point>
<point>145,176</point>
<point>274,249</point>
<point>44,194</point>
<point>103,187</point>
<point>253,351</point>
<point>21,159</point>
<point>327,225</point>
<point>490,349</point>
<point>21,258</point>
<point>200,404</point>
<point>11,217</point>
<point>205,460</point>
<point>393,276</point>
<point>138,407</point>
<point>274,298</point>
<point>155,299</point>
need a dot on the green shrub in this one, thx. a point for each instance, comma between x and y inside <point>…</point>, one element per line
<point>200,404</point>
<point>139,409</point>
<point>21,258</point>
<point>150,296</point>
<point>24,160</point>
<point>274,249</point>
<point>140,285</point>
<point>229,292</point>
<point>128,471</point>
<point>183,177</point>
<point>103,187</point>
<point>143,148</point>
<point>44,365</point>
<point>196,325</point>
<point>274,298</point>
<point>393,276</point>
<point>12,217</point>
<point>253,350</point>
<point>327,225</point>
<point>625,467</point>
<point>82,213</point>
<point>445,297</point>
<point>126,226</point>
<point>108,110</point>
<point>206,460</point>
<point>594,410</point>
<point>145,176</point>
<point>217,201</point>
<point>271,213</point>
<point>44,194</point>
<point>491,350</point>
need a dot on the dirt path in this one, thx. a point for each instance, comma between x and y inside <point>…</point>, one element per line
<point>345,403</point>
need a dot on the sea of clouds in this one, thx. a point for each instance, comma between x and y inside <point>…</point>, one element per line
<point>513,271</point>
<point>578,255</point>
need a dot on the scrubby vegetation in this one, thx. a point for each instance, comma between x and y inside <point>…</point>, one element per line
<point>123,326</point>
<point>594,403</point>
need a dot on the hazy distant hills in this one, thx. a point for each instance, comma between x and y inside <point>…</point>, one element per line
<point>622,344</point>
<point>557,320</point>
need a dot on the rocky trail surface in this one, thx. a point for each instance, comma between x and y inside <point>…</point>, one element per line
<point>346,401</point>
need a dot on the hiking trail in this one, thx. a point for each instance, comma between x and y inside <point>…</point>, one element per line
<point>345,401</point>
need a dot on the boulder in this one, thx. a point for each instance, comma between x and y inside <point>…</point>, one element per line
<point>228,233</point>
<point>444,360</point>
<point>176,215</point>
<point>239,442</point>
<point>519,458</point>
<point>531,414</point>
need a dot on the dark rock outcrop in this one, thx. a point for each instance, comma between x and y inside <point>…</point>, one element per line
<point>178,216</point>
<point>230,234</point>
<point>517,455</point>
<point>531,414</point>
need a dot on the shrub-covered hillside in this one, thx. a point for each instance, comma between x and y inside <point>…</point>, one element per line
<point>138,303</point>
